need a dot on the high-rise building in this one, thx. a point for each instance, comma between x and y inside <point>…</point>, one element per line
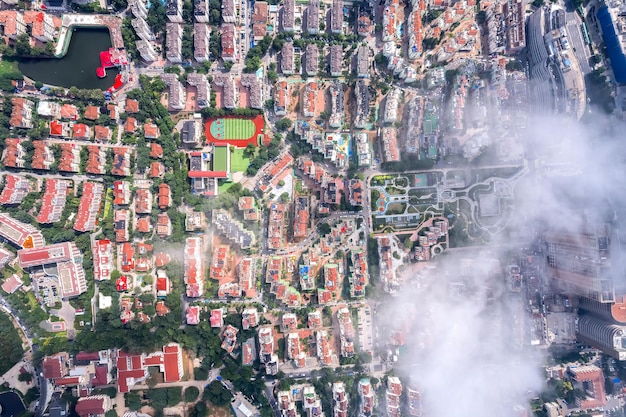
<point>579,263</point>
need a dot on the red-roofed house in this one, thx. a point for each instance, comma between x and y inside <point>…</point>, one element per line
<point>42,156</point>
<point>143,201</point>
<point>69,111</point>
<point>162,284</point>
<point>102,252</point>
<point>151,131</point>
<point>89,207</point>
<point>131,125</point>
<point>127,254</point>
<point>132,106</point>
<point>81,131</point>
<point>113,111</point>
<point>156,150</point>
<point>13,155</point>
<point>121,284</point>
<point>162,259</point>
<point>164,225</point>
<point>217,317</point>
<point>92,112</point>
<point>55,366</point>
<point>165,196</point>
<point>143,224</point>
<point>193,315</point>
<point>103,133</point>
<point>157,170</point>
<point>70,157</point>
<point>93,406</point>
<point>161,308</point>
<point>121,193</point>
<point>59,129</point>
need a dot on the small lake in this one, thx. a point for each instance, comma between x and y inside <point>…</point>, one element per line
<point>11,403</point>
<point>78,67</point>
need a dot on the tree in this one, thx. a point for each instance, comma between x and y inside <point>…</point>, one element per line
<point>25,377</point>
<point>132,401</point>
<point>283,124</point>
<point>191,394</point>
<point>284,197</point>
<point>217,394</point>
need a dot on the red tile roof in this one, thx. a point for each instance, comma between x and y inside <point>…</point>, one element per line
<point>132,106</point>
<point>92,112</point>
<point>156,151</point>
<point>151,131</point>
<point>69,111</point>
<point>131,125</point>
<point>103,133</point>
<point>165,196</point>
<point>81,131</point>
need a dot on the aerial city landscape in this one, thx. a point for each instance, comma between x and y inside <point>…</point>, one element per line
<point>312,208</point>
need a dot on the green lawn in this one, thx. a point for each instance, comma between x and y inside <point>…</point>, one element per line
<point>238,162</point>
<point>220,158</point>
<point>8,67</point>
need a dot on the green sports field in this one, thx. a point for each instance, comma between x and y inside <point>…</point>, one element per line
<point>232,129</point>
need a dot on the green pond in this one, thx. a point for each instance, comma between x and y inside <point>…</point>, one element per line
<point>78,67</point>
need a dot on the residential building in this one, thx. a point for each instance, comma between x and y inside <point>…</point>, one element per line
<point>229,47</point>
<point>259,19</point>
<point>43,157</point>
<point>414,399</point>
<point>362,111</point>
<point>142,29</point>
<point>195,221</point>
<point>287,63</point>
<point>367,399</point>
<point>277,225</point>
<point>313,17</point>
<point>151,131</point>
<point>392,103</point>
<point>266,347</point>
<point>414,50</point>
<point>336,60</point>
<point>70,157</point>
<point>301,217</point>
<point>346,331</point>
<point>174,11</point>
<point>281,98</point>
<point>389,139</point>
<point>311,403</point>
<point>88,207</point>
<point>249,318</point>
<point>96,161</point>
<point>336,105</point>
<point>103,133</point>
<point>294,350</point>
<point>143,201</point>
<point>121,161</point>
<point>309,99</point>
<point>42,25</point>
<point>336,17</point>
<point>146,51</point>
<point>60,129</point>
<point>102,253</point>
<point>217,318</point>
<point>12,23</point>
<point>21,113</point>
<point>255,90</point>
<point>194,266</point>
<point>201,36</point>
<point>173,41</point>
<point>515,31</point>
<point>234,230</point>
<point>130,126</point>
<point>133,369</point>
<point>53,201</point>
<point>363,62</point>
<point>163,225</point>
<point>201,11</point>
<point>15,189</point>
<point>49,109</point>
<point>341,399</point>
<point>229,91</point>
<point>81,131</point>
<point>20,234</point>
<point>363,150</point>
<point>13,154</point>
<point>311,59</point>
<point>165,196</point>
<point>121,221</point>
<point>248,352</point>
<point>392,396</point>
<point>229,14</point>
<point>229,338</point>
<point>69,111</point>
<point>324,351</point>
<point>176,97</point>
<point>92,113</point>
<point>69,270</point>
<point>248,206</point>
<point>590,379</point>
<point>93,406</point>
<point>288,15</point>
<point>192,316</point>
<point>287,404</point>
